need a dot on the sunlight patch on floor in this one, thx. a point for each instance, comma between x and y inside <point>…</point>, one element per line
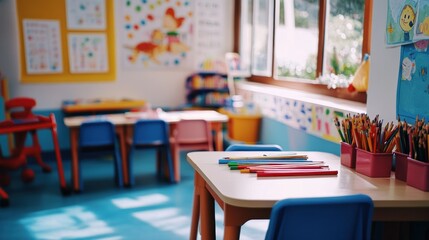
<point>166,219</point>
<point>73,222</point>
<point>143,201</point>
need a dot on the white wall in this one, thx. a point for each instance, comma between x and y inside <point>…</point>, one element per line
<point>383,77</point>
<point>167,88</point>
<point>160,88</point>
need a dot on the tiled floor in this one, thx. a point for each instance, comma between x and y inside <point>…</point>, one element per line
<point>152,209</point>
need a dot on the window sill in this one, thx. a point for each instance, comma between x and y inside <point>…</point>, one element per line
<point>317,99</point>
<point>315,88</point>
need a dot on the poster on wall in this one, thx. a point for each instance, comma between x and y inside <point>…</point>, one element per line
<point>422,21</point>
<point>42,42</point>
<point>209,35</point>
<point>156,34</point>
<point>413,82</point>
<point>88,53</point>
<point>86,14</point>
<point>309,117</point>
<point>407,21</point>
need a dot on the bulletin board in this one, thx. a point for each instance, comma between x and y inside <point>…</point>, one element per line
<point>55,16</point>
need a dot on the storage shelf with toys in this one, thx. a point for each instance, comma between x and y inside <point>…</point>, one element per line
<point>207,89</point>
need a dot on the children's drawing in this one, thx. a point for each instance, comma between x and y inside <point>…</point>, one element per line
<point>88,53</point>
<point>156,34</point>
<point>42,41</point>
<point>312,118</point>
<point>422,21</point>
<point>172,24</point>
<point>401,21</point>
<point>86,14</point>
<point>408,68</point>
<point>412,94</point>
<point>152,49</point>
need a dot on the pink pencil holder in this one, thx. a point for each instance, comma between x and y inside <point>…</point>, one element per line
<point>418,174</point>
<point>374,165</point>
<point>401,165</point>
<point>348,155</point>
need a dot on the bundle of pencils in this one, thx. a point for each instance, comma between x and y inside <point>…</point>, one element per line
<point>369,135</point>
<point>418,140</point>
<point>277,165</point>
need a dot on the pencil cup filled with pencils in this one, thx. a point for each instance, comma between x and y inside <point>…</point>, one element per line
<point>374,145</point>
<point>418,162</point>
<point>348,147</point>
<point>401,151</point>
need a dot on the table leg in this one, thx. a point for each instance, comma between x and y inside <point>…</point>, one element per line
<point>198,184</point>
<point>60,169</point>
<point>217,127</point>
<point>120,130</point>
<point>175,153</point>
<point>74,157</point>
<point>207,212</point>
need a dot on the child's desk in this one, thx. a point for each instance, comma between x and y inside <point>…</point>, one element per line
<point>96,106</point>
<point>244,196</point>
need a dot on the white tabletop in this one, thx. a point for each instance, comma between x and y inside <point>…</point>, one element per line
<point>247,190</point>
<point>132,117</point>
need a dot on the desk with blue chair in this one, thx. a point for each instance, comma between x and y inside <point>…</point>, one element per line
<point>244,197</point>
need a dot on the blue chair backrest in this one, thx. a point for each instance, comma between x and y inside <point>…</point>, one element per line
<point>253,147</point>
<point>151,132</point>
<point>344,217</point>
<point>96,133</point>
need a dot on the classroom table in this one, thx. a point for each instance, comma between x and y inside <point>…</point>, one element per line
<point>97,106</point>
<point>124,123</point>
<point>244,196</point>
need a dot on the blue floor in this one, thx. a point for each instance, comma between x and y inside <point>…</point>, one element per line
<point>151,209</point>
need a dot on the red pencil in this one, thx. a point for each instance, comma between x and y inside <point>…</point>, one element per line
<point>295,173</point>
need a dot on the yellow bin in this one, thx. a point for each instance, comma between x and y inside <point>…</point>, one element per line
<point>243,127</point>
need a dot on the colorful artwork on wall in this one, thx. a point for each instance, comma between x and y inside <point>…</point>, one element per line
<point>407,21</point>
<point>86,14</point>
<point>156,34</point>
<point>413,82</point>
<point>308,117</point>
<point>42,46</point>
<point>88,52</point>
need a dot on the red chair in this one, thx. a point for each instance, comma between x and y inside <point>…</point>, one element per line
<point>20,111</point>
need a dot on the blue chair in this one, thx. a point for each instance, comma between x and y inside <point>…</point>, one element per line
<point>253,147</point>
<point>230,148</point>
<point>99,135</point>
<point>152,133</point>
<point>333,218</point>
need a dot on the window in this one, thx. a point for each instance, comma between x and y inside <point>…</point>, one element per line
<point>304,44</point>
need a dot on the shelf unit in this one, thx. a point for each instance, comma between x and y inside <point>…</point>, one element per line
<point>207,89</point>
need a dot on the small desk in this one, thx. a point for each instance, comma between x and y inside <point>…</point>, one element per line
<point>43,123</point>
<point>124,121</point>
<point>244,196</point>
<point>102,106</point>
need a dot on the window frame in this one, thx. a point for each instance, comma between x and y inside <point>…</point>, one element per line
<point>306,86</point>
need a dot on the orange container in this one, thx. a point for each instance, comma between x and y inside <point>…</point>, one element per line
<point>373,164</point>
<point>243,127</point>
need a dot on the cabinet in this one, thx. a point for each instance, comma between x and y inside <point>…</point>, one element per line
<point>207,89</point>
